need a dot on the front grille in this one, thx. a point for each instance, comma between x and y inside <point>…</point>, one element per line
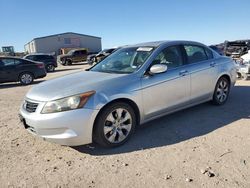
<point>30,106</point>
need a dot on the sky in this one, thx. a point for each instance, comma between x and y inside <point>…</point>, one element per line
<point>125,21</point>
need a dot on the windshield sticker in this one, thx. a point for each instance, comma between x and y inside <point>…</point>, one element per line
<point>144,49</point>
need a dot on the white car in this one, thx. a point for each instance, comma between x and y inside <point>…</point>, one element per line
<point>243,68</point>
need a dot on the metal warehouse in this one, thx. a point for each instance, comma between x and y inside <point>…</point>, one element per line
<point>54,43</point>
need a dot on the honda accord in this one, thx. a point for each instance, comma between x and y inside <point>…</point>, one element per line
<point>133,85</point>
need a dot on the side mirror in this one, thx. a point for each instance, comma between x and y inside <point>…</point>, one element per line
<point>158,68</point>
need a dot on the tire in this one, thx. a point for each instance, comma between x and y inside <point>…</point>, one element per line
<point>50,68</point>
<point>221,92</point>
<point>26,78</point>
<point>112,129</point>
<point>63,62</point>
<point>68,62</point>
<point>244,76</point>
<point>239,75</point>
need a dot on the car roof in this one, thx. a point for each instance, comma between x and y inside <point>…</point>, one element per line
<point>164,42</point>
<point>10,57</point>
<point>38,54</point>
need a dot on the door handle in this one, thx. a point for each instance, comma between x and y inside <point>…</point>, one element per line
<point>183,72</point>
<point>212,64</point>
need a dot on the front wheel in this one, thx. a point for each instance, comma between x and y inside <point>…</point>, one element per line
<point>114,125</point>
<point>221,91</point>
<point>68,62</point>
<point>26,78</point>
<point>245,76</point>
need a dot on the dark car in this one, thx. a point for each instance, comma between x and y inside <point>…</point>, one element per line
<point>95,58</point>
<point>218,50</point>
<point>48,60</point>
<point>73,56</point>
<point>22,70</point>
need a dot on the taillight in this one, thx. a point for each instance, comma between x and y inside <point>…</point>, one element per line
<point>40,65</point>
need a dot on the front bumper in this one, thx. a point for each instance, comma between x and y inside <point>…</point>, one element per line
<point>70,128</point>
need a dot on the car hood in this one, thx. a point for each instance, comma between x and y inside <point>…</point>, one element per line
<point>71,84</point>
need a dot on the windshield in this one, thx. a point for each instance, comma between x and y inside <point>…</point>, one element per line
<point>125,60</point>
<point>70,52</point>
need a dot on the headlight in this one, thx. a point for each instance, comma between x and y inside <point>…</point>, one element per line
<point>68,103</point>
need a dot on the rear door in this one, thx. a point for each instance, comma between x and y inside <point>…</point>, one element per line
<point>202,70</point>
<point>8,71</point>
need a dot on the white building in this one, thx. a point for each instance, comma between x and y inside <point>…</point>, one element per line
<point>53,43</point>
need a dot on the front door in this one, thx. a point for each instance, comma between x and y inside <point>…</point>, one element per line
<point>169,90</point>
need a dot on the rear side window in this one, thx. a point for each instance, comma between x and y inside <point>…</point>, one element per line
<point>209,53</point>
<point>81,52</point>
<point>31,57</point>
<point>195,53</point>
<point>49,57</point>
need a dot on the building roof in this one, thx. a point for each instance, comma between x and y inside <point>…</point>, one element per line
<point>66,33</point>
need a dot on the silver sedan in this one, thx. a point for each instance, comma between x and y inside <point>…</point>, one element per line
<point>132,86</point>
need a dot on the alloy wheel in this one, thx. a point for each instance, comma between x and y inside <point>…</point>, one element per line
<point>117,125</point>
<point>26,78</point>
<point>50,68</point>
<point>222,91</point>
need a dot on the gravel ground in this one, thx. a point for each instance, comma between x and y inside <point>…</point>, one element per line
<point>206,146</point>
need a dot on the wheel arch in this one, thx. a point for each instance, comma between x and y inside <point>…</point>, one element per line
<point>124,100</point>
<point>225,76</point>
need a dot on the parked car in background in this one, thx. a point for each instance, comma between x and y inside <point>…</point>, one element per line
<point>218,50</point>
<point>95,58</point>
<point>133,85</point>
<point>235,49</point>
<point>73,56</point>
<point>22,70</point>
<point>48,60</point>
<point>243,66</point>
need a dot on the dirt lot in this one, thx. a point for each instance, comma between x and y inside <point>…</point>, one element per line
<point>179,150</point>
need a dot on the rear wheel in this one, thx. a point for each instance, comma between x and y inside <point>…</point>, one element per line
<point>221,91</point>
<point>50,68</point>
<point>26,78</point>
<point>114,125</point>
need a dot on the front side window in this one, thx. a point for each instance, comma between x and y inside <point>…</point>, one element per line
<point>195,53</point>
<point>17,62</point>
<point>71,52</point>
<point>170,56</point>
<point>125,60</point>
